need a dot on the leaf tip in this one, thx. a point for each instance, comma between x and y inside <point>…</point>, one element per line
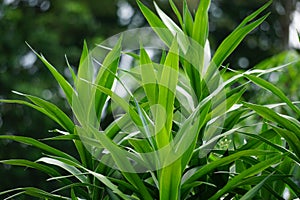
<point>18,93</point>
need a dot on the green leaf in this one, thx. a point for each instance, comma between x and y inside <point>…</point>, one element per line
<point>252,161</point>
<point>275,90</point>
<point>189,131</point>
<point>254,143</point>
<point>175,30</point>
<point>221,162</point>
<point>210,143</point>
<point>26,163</point>
<point>167,20</point>
<point>139,117</point>
<point>268,134</point>
<point>85,69</point>
<point>272,116</point>
<point>253,191</point>
<point>234,39</point>
<point>120,157</point>
<point>167,89</point>
<point>176,11</point>
<point>158,26</point>
<point>73,195</point>
<point>85,75</point>
<point>55,114</point>
<point>286,167</point>
<point>226,104</point>
<point>122,183</point>
<point>254,180</point>
<point>73,168</point>
<point>33,192</point>
<point>63,137</point>
<point>52,111</point>
<point>122,103</point>
<point>200,29</point>
<point>66,87</point>
<point>255,14</point>
<point>143,147</point>
<point>169,181</point>
<point>197,183</point>
<point>112,130</point>
<point>291,139</point>
<point>42,110</point>
<point>74,77</point>
<point>78,144</point>
<point>109,184</point>
<point>79,187</point>
<point>247,173</point>
<point>69,168</point>
<point>149,79</point>
<point>106,76</point>
<point>188,21</point>
<point>37,144</point>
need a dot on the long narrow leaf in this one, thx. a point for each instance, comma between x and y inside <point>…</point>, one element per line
<point>64,84</point>
<point>60,117</point>
<point>272,116</point>
<point>26,163</point>
<point>71,169</point>
<point>167,89</point>
<point>120,157</point>
<point>251,193</point>
<point>158,26</point>
<point>188,22</point>
<point>200,29</point>
<point>176,11</point>
<point>33,192</point>
<point>234,39</point>
<point>275,90</point>
<point>248,172</point>
<point>291,139</point>
<point>223,161</point>
<point>261,139</point>
<point>149,78</point>
<point>169,181</point>
<point>176,31</point>
<point>38,144</point>
<point>106,76</point>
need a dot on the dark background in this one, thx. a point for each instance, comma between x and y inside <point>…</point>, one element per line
<point>58,28</point>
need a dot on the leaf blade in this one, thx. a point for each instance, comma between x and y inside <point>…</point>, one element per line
<point>64,84</point>
<point>275,90</point>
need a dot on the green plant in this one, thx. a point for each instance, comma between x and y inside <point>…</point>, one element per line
<point>182,134</point>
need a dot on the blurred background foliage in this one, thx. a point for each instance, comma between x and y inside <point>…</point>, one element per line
<point>57,28</point>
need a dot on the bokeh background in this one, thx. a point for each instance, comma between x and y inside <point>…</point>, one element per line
<point>57,28</point>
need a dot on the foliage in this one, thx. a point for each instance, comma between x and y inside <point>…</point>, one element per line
<point>56,29</point>
<point>202,147</point>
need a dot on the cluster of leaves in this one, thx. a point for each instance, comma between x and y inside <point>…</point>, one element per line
<point>214,153</point>
<point>53,28</point>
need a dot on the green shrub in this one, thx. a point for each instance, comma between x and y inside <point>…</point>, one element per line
<point>183,132</point>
